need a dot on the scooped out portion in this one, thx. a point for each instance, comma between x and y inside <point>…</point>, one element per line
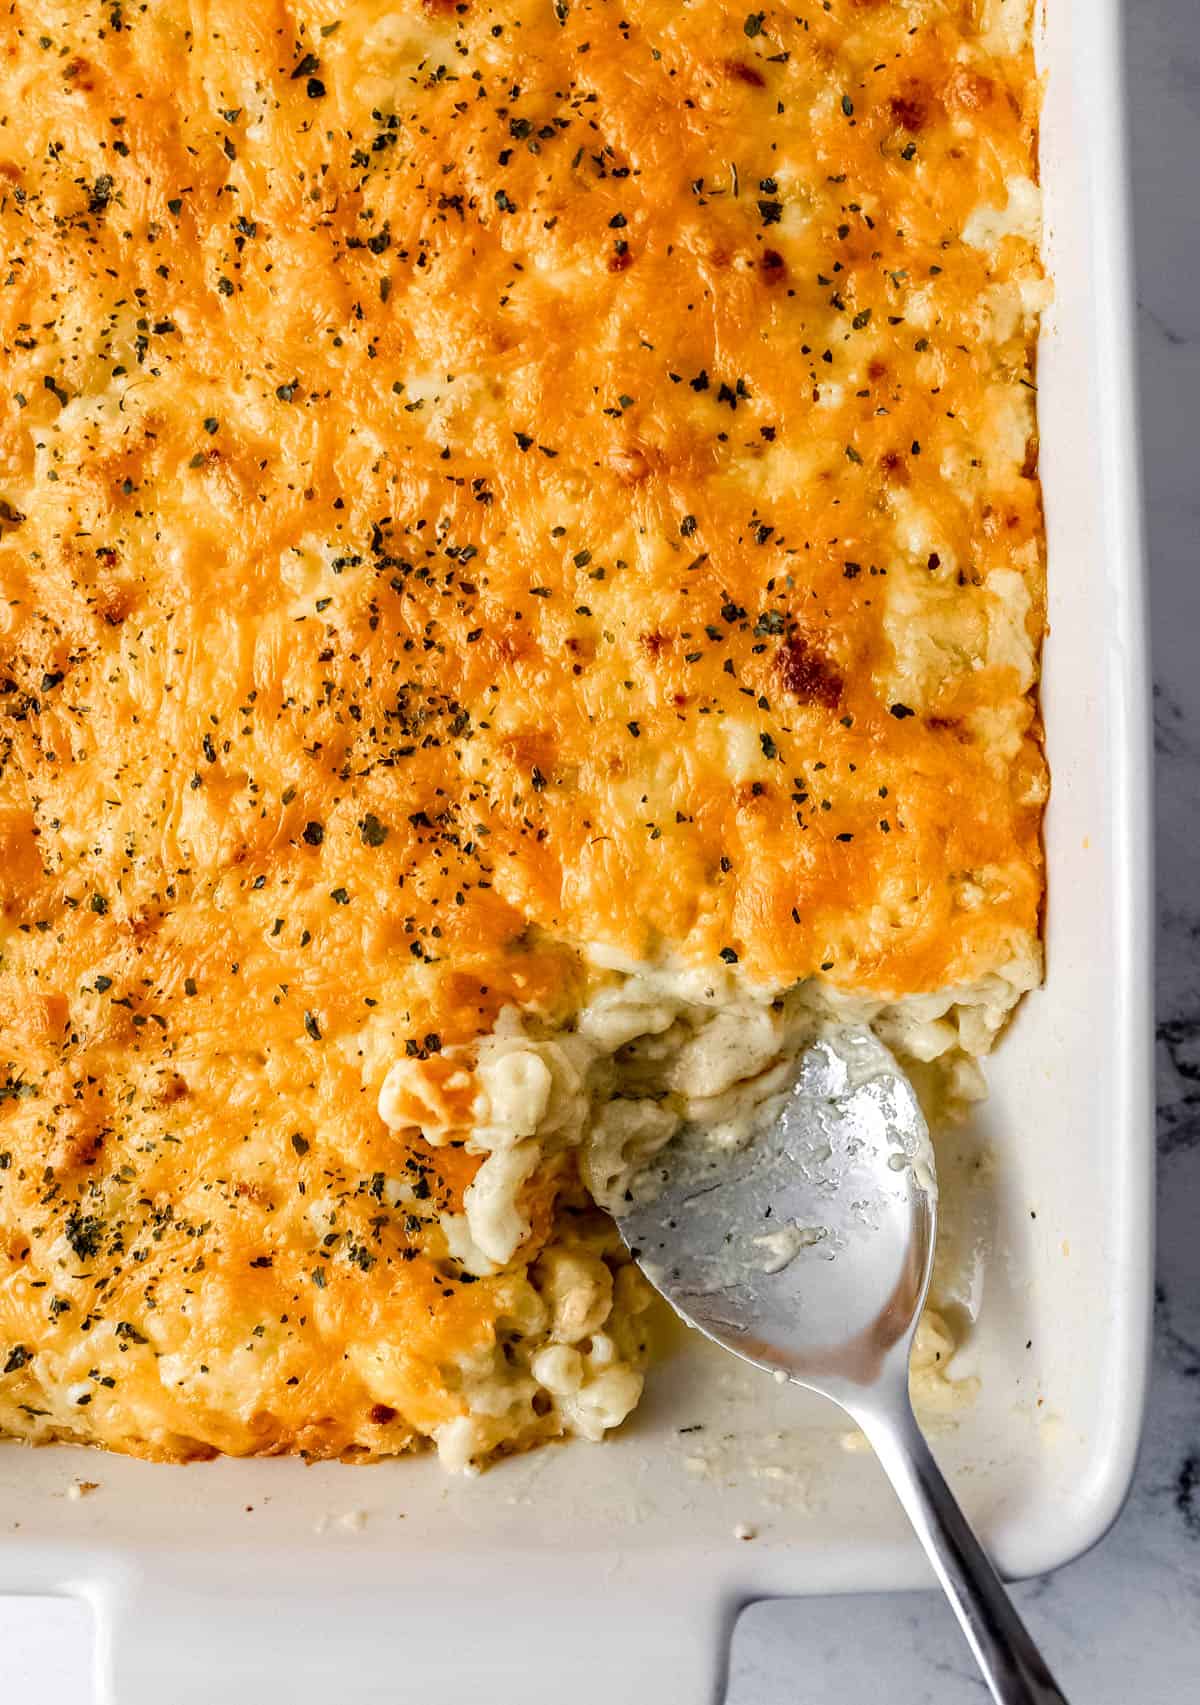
<point>590,1105</point>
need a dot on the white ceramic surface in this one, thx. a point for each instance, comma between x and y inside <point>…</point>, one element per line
<point>537,1579</point>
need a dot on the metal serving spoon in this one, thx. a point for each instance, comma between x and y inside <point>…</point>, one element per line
<point>808,1253</point>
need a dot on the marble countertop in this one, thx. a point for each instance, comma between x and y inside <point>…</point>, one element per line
<point>1123,1623</point>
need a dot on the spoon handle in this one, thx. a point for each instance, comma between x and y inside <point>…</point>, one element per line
<point>1010,1663</point>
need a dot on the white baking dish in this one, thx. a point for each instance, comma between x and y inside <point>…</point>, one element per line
<point>558,1576</point>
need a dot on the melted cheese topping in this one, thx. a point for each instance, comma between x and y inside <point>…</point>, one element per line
<point>477,480</point>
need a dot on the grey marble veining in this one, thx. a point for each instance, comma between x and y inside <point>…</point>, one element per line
<point>1123,1624</point>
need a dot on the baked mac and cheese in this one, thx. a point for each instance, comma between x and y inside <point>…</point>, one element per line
<point>520,589</point>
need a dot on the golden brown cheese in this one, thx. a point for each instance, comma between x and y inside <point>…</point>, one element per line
<point>477,480</point>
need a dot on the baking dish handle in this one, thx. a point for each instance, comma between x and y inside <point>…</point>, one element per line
<point>195,1635</point>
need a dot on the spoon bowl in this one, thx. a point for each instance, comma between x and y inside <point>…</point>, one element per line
<point>809,1251</point>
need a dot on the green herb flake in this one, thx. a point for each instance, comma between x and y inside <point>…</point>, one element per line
<point>85,1234</point>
